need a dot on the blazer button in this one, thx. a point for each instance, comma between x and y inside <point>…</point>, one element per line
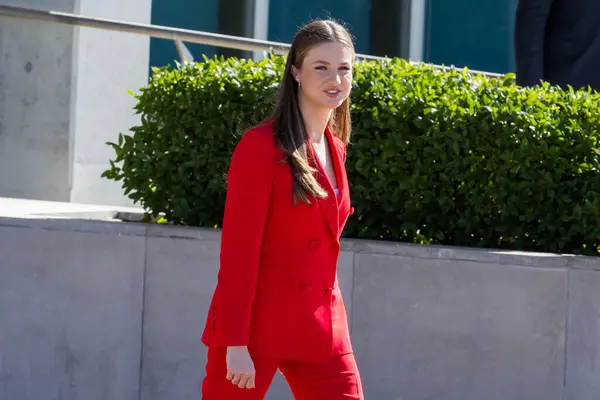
<point>313,243</point>
<point>351,210</point>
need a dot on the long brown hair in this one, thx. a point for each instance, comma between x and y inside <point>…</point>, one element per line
<point>288,124</point>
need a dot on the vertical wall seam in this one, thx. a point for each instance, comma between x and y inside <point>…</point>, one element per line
<point>141,364</point>
<point>566,337</point>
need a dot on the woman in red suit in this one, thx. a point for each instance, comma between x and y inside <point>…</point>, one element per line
<point>277,304</point>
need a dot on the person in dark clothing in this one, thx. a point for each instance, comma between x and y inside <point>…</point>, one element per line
<point>558,41</point>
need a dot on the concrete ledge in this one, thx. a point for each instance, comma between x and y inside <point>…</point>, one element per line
<point>183,232</point>
<point>486,256</point>
<point>76,225</point>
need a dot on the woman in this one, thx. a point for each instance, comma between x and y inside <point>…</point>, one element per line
<point>277,304</point>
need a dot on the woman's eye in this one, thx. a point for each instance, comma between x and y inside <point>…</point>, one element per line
<point>321,68</point>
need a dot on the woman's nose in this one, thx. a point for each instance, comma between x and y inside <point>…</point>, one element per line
<point>335,78</point>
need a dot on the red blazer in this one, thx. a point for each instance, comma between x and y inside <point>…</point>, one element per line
<point>277,289</point>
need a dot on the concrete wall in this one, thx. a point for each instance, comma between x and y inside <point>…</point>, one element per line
<point>35,82</point>
<point>63,94</point>
<point>104,310</point>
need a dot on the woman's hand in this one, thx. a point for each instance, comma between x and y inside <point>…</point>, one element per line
<point>240,367</point>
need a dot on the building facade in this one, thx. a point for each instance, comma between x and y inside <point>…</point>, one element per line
<point>63,90</point>
<point>477,34</point>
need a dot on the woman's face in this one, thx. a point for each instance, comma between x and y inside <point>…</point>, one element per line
<point>325,77</point>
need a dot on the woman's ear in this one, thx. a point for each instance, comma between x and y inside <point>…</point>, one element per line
<point>295,73</point>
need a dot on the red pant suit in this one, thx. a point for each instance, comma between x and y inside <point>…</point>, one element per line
<point>277,289</point>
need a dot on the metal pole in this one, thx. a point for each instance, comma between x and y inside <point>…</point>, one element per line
<point>165,32</point>
<point>157,31</point>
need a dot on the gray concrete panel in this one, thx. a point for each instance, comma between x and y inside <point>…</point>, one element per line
<point>180,278</point>
<point>70,315</point>
<point>583,337</point>
<point>439,329</point>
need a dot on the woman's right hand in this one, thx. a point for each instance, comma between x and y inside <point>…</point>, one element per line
<point>240,367</point>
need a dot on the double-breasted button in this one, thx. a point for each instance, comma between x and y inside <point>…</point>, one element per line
<point>313,243</point>
<point>304,287</point>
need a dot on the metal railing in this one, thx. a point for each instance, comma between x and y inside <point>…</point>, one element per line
<point>164,32</point>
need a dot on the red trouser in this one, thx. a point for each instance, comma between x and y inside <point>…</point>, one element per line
<point>335,380</point>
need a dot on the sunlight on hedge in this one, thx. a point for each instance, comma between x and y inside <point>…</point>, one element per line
<point>436,156</point>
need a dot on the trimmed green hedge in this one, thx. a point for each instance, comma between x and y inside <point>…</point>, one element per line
<point>436,156</point>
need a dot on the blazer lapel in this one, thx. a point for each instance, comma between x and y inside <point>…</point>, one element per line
<point>330,204</point>
<point>340,169</point>
<point>343,200</point>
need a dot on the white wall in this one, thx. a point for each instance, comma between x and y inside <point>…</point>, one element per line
<point>106,64</point>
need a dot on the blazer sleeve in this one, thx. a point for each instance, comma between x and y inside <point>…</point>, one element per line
<point>530,27</point>
<point>249,181</point>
